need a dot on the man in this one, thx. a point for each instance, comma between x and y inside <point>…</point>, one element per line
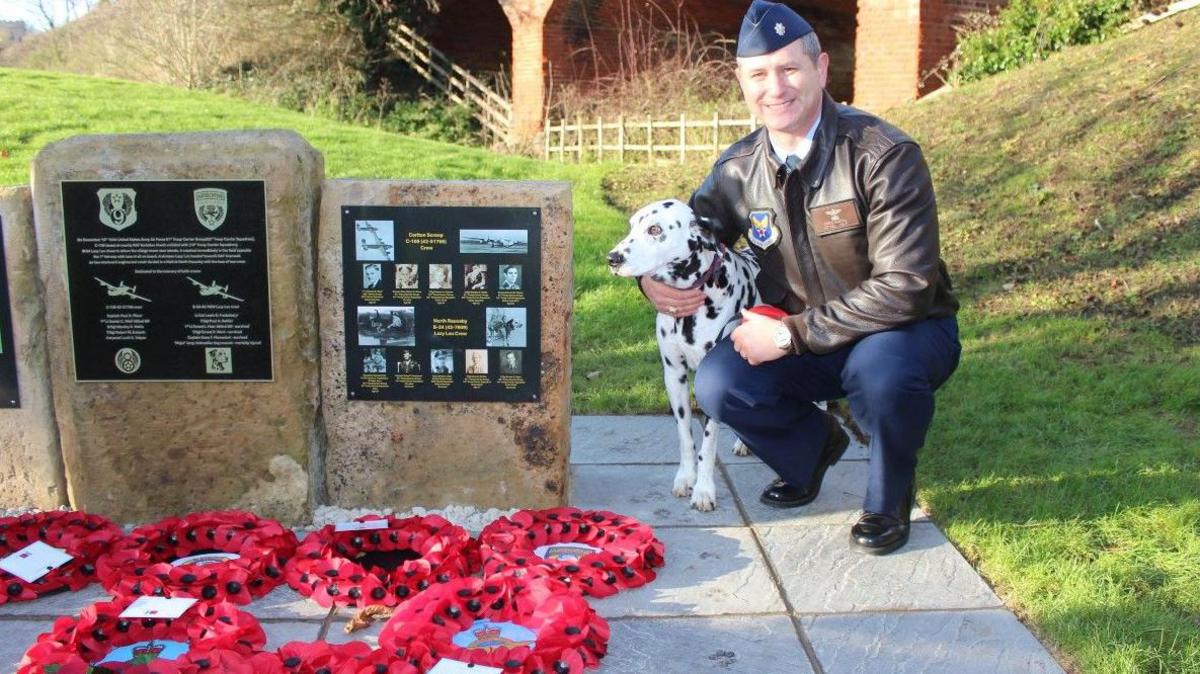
<point>839,209</point>
<point>407,364</point>
<point>371,275</point>
<point>512,278</point>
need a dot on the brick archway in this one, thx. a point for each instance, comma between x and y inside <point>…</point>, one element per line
<point>879,49</point>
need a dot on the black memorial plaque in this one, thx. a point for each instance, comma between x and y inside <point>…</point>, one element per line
<point>9,391</point>
<point>168,279</point>
<point>442,303</point>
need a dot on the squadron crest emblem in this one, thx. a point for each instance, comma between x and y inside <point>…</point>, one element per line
<point>763,231</point>
<point>117,208</point>
<point>211,206</point>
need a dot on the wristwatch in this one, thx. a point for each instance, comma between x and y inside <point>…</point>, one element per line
<point>783,338</point>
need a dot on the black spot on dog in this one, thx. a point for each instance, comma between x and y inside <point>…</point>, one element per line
<point>679,412</point>
<point>711,314</point>
<point>668,204</point>
<point>722,280</point>
<point>686,268</point>
<point>689,329</point>
<point>662,331</point>
<point>683,378</point>
<point>666,361</point>
<point>708,346</point>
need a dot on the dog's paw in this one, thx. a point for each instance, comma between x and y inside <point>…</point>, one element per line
<point>684,479</point>
<point>740,449</point>
<point>704,498</point>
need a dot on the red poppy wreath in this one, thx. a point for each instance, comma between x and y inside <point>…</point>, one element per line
<point>212,556</point>
<point>382,565</point>
<point>526,625</point>
<point>355,657</point>
<point>206,638</point>
<point>599,552</point>
<point>85,537</point>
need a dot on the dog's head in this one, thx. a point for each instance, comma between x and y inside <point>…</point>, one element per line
<point>661,234</point>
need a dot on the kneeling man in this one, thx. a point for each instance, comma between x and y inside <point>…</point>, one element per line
<point>839,208</point>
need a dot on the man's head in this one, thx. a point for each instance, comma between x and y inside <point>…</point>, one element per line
<point>511,273</point>
<point>781,68</point>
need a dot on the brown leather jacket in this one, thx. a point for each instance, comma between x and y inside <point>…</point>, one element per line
<point>864,257</point>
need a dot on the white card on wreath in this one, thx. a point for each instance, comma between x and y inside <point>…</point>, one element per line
<point>448,666</point>
<point>361,526</point>
<point>167,608</point>
<point>34,561</point>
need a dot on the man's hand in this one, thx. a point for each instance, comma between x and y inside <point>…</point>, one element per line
<point>754,339</point>
<point>674,302</point>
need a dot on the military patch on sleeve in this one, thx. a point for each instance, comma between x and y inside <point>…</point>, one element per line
<point>763,231</point>
<point>833,218</point>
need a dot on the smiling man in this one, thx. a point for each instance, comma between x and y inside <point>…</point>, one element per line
<point>839,209</point>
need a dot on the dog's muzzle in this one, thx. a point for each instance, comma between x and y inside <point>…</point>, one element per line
<point>615,259</point>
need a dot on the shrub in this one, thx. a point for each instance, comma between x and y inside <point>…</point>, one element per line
<point>1028,30</point>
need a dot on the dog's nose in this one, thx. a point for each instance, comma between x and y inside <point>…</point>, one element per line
<point>615,259</point>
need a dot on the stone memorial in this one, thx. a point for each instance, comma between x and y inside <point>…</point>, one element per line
<point>31,467</point>
<point>445,313</point>
<point>178,282</point>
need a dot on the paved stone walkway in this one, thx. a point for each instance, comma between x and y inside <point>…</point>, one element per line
<point>746,589</point>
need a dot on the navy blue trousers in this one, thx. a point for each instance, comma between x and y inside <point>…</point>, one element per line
<point>888,379</point>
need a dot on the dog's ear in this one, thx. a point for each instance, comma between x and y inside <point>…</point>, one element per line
<point>705,226</point>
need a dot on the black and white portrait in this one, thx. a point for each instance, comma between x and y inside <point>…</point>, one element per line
<point>440,277</point>
<point>477,361</point>
<point>374,362</point>
<point>386,326</point>
<point>407,363</point>
<point>372,275</point>
<point>510,277</point>
<point>441,361</point>
<point>406,276</point>
<point>510,361</point>
<point>475,277</point>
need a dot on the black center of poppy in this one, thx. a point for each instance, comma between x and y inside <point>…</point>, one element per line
<point>386,560</point>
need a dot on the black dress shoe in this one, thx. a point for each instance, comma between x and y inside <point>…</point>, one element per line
<point>879,534</point>
<point>780,494</point>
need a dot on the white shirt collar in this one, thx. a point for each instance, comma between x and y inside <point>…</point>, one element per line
<point>802,148</point>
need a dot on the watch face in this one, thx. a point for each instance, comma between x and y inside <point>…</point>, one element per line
<point>783,338</point>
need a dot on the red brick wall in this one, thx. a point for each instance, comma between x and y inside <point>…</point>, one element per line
<point>899,41</point>
<point>475,34</point>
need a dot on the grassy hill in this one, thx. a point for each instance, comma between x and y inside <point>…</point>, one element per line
<point>1065,456</point>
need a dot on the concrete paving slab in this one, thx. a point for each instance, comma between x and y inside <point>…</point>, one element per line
<point>709,571</point>
<point>286,631</point>
<point>840,501</point>
<point>821,573</point>
<point>953,642</point>
<point>57,605</point>
<point>644,492</point>
<point>763,644</point>
<point>284,603</point>
<point>16,636</point>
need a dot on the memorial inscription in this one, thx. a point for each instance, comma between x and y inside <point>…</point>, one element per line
<point>168,280</point>
<point>442,303</point>
<point>10,396</point>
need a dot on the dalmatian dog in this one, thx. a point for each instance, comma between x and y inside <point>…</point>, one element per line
<point>668,242</point>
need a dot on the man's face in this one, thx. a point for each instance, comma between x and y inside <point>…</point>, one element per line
<point>783,88</point>
<point>510,274</point>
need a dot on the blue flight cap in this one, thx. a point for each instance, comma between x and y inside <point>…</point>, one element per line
<point>768,26</point>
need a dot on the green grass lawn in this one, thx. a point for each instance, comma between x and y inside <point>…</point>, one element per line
<point>1065,457</point>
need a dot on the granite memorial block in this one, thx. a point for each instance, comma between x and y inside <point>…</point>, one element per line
<point>31,466</point>
<point>178,276</point>
<point>445,321</point>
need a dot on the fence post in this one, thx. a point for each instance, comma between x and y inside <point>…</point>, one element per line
<point>716,131</point>
<point>546,139</point>
<point>599,138</point>
<point>621,138</point>
<point>579,137</point>
<point>682,137</point>
<point>562,140</point>
<point>650,140</point>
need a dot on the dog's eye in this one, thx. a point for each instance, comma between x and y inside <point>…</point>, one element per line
<point>654,230</point>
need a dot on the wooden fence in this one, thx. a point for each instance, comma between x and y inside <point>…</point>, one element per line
<point>491,109</point>
<point>627,140</point>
